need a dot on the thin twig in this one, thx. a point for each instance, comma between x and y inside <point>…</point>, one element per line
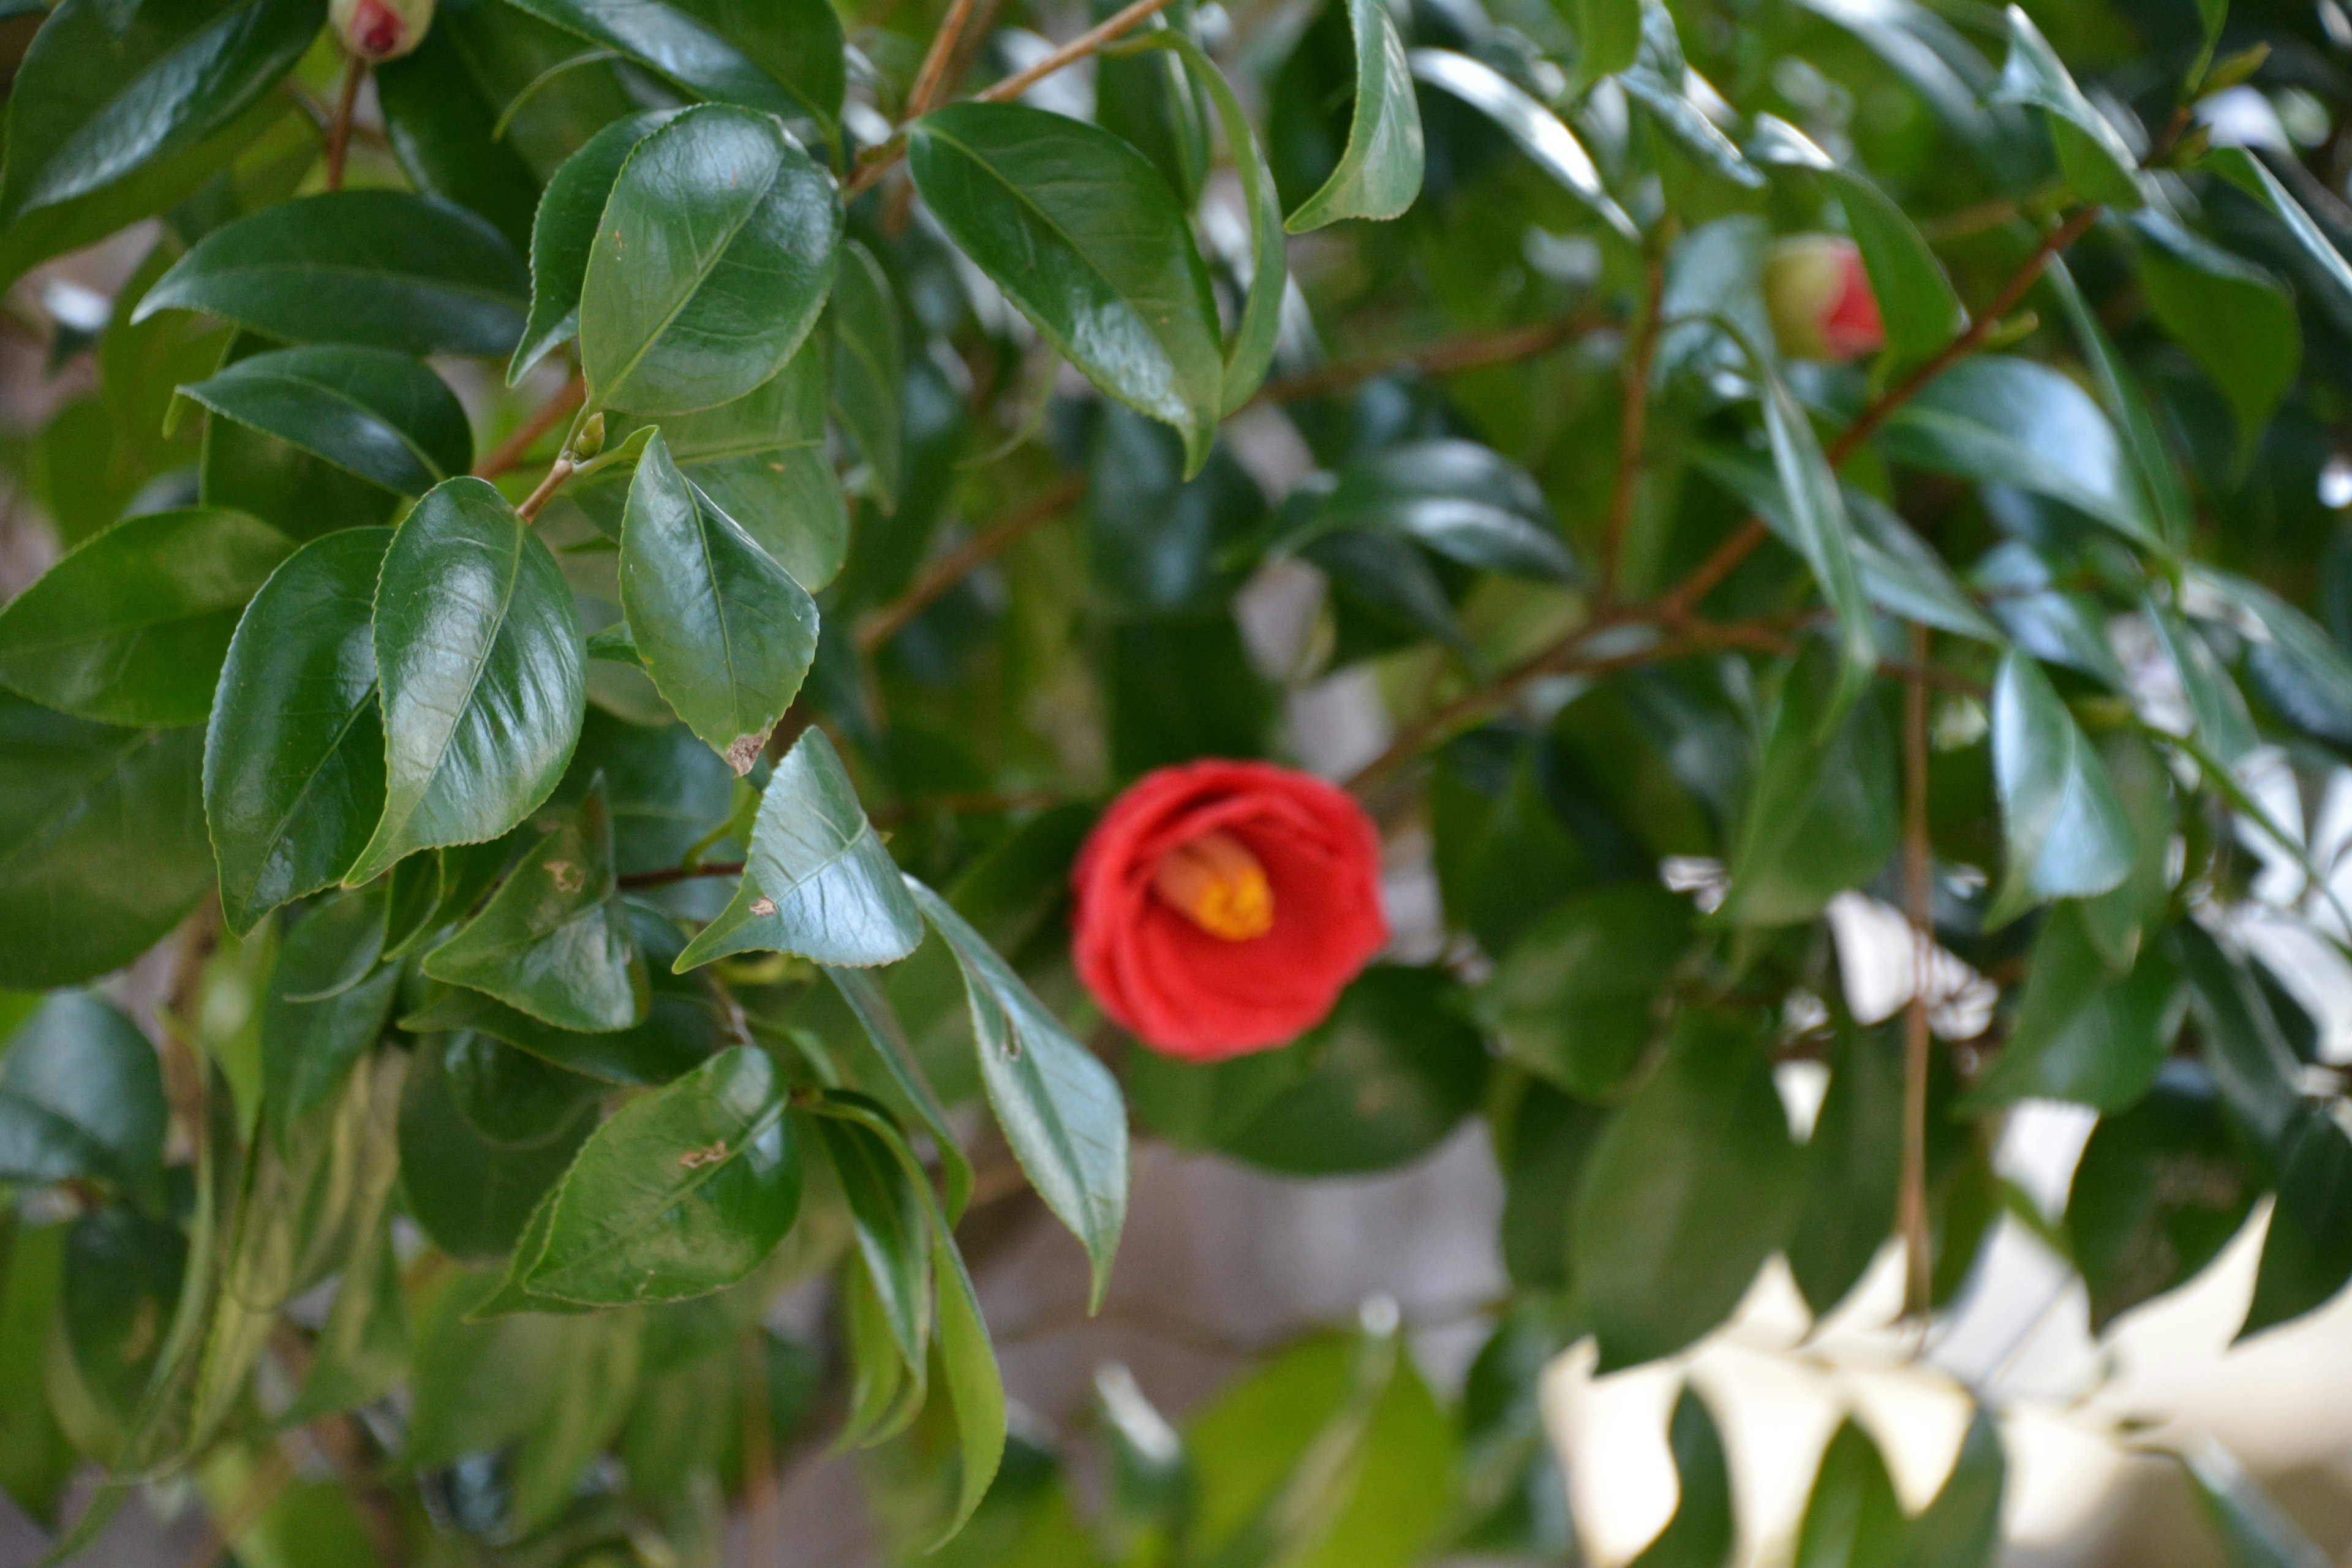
<point>546,417</point>
<point>338,130</point>
<point>662,876</point>
<point>932,77</point>
<point>887,622</point>
<point>1631,429</point>
<point>557,472</point>
<point>1912,1202</point>
<point>1449,358</point>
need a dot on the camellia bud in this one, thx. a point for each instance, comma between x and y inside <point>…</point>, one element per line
<point>1820,299</point>
<point>380,30</point>
<point>590,440</point>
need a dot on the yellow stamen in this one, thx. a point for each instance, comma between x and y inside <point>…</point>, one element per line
<point>1217,885</point>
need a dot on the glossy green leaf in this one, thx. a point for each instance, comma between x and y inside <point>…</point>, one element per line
<point>294,753</point>
<point>1058,1107</point>
<point>894,1239</point>
<point>2233,316</point>
<point>1949,74</point>
<point>1608,36</point>
<point>723,630</point>
<point>2093,153</point>
<point>2001,420</point>
<point>1462,500</point>
<point>246,469</point>
<point>1693,1186</point>
<point>327,1003</point>
<point>1822,532</point>
<point>471,1195</point>
<point>968,1361</point>
<point>124,1273</point>
<point>1541,133</point>
<point>2307,1253</point>
<point>381,268</point>
<point>2300,670</point>
<point>2135,421</point>
<point>1852,1167</point>
<point>477,647</point>
<point>37,1460</point>
<point>563,232</point>
<point>683,1192</point>
<point>1380,173</point>
<point>1158,543</point>
<point>131,627</point>
<point>2066,832</point>
<point>72,796</point>
<point>2217,709</point>
<point>880,1024</point>
<point>117,111</point>
<point>552,942</point>
<point>783,57</point>
<point>2160,1191</point>
<point>714,256</point>
<point>1821,813</point>
<point>818,881</point>
<point>2061,625</point>
<point>1960,1527</point>
<point>2083,1033</point>
<point>449,139</point>
<point>1660,82</point>
<point>1085,237</point>
<point>370,412</point>
<point>2245,1050</point>
<point>81,1095</point>
<point>2241,168</point>
<point>510,1097</point>
<point>1701,1532</point>
<point>1575,998</point>
<point>869,367</point>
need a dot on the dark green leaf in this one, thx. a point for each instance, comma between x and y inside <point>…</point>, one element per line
<point>1458,498</point>
<point>2217,709</point>
<point>973,1383</point>
<point>117,111</point>
<point>37,1459</point>
<point>510,1097</point>
<point>714,256</point>
<point>2066,832</point>
<point>1660,82</point>
<point>1691,1188</point>
<point>81,1095</point>
<point>132,627</point>
<point>563,232</point>
<point>477,647</point>
<point>1949,75</point>
<point>552,942</point>
<point>2093,153</point>
<point>1853,1164</point>
<point>781,55</point>
<point>2135,421</point>
<point>1058,1107</point>
<point>1087,238</point>
<point>73,795</point>
<point>869,367</point>
<point>1155,540</point>
<point>1575,998</point>
<point>2295,664</point>
<point>894,1239</point>
<point>1821,813</point>
<point>2231,314</point>
<point>723,630</point>
<point>2160,1191</point>
<point>1539,133</point>
<point>2082,1035</point>
<point>1962,1527</point>
<point>1821,531</point>
<point>370,412</point>
<point>327,1003</point>
<point>2247,1055</point>
<point>1701,1532</point>
<point>2241,168</point>
<point>2307,1253</point>
<point>472,1196</point>
<point>123,1276</point>
<point>1380,173</point>
<point>447,136</point>
<point>685,1190</point>
<point>382,269</point>
<point>1608,36</point>
<point>294,754</point>
<point>879,1024</point>
<point>301,495</point>
<point>1250,350</point>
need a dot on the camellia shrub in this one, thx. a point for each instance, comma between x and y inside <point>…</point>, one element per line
<point>684,651</point>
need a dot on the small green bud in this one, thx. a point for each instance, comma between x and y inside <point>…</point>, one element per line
<point>591,439</point>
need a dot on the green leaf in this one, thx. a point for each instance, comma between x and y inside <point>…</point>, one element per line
<point>552,942</point>
<point>294,753</point>
<point>2066,832</point>
<point>1575,1000</point>
<point>132,627</point>
<point>713,259</point>
<point>2300,670</point>
<point>248,469</point>
<point>2092,152</point>
<point>1457,499</point>
<point>886,1216</point>
<point>81,1095</point>
<point>472,1196</point>
<point>973,1382</point>
<point>2247,1055</point>
<point>72,796</point>
<point>879,1025</point>
<point>780,55</point>
<point>1608,36</point>
<point>2307,1253</point>
<point>38,1461</point>
<point>2001,420</point>
<point>370,412</point>
<point>1821,813</point>
<point>1852,1167</point>
<point>1821,532</point>
<point>119,110</point>
<point>2160,1191</point>
<point>509,1096</point>
<point>362,1351</point>
<point>2081,1035</point>
<point>869,367</point>
<point>1962,1527</point>
<point>1701,1532</point>
<point>835,897</point>
<point>477,647</point>
<point>1915,296</point>
<point>1058,1107</point>
<point>685,1190</point>
<point>2231,315</point>
<point>124,1273</point>
<point>381,268</point>
<point>1693,1186</point>
<point>725,633</point>
<point>1380,173</point>
<point>2217,709</point>
<point>1158,543</point>
<point>1085,237</point>
<point>449,139</point>
<point>1660,82</point>
<point>2249,174</point>
<point>327,1003</point>
<point>563,232</point>
<point>1539,133</point>
<point>2135,421</point>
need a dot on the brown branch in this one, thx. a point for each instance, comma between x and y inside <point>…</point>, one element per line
<point>338,128</point>
<point>1632,430</point>
<point>527,434</point>
<point>663,876</point>
<point>557,472</point>
<point>1912,1201</point>
<point>1448,358</point>
<point>879,627</point>
<point>932,77</point>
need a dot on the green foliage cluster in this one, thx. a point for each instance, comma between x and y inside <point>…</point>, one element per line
<point>599,599</point>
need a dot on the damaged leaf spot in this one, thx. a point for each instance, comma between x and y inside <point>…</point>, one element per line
<point>568,875</point>
<point>743,751</point>
<point>693,1159</point>
<point>763,907</point>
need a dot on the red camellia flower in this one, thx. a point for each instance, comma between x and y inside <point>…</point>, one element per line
<point>1222,906</point>
<point>1818,296</point>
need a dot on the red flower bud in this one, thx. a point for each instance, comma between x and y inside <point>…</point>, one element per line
<point>380,29</point>
<point>1222,907</point>
<point>1819,299</point>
